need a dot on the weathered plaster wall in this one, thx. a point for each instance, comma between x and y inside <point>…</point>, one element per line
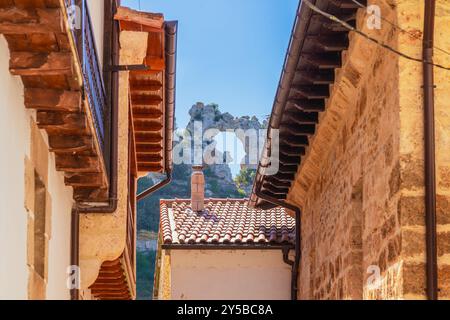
<point>25,150</point>
<point>103,236</point>
<point>361,186</point>
<point>229,274</point>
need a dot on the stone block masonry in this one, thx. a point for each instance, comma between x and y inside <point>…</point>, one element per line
<point>363,218</point>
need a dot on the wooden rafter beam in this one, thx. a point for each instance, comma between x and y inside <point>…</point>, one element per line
<point>323,60</point>
<point>75,163</point>
<point>292,151</point>
<point>148,148</point>
<point>284,176</point>
<point>15,20</point>
<point>143,100</point>
<point>140,125</point>
<point>316,76</point>
<point>308,104</point>
<point>153,20</point>
<point>302,117</point>
<point>149,158</point>
<point>142,85</point>
<point>277,183</point>
<point>62,122</point>
<point>312,91</point>
<point>41,63</point>
<point>289,168</point>
<point>149,168</point>
<point>140,113</point>
<point>84,180</point>
<point>348,4</point>
<point>151,138</point>
<point>70,144</point>
<point>52,100</point>
<point>274,195</point>
<point>300,141</point>
<point>288,161</point>
<point>336,42</point>
<point>274,189</point>
<point>117,286</point>
<point>298,130</point>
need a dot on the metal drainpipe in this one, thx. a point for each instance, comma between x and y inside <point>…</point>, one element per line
<point>144,194</point>
<point>296,264</point>
<point>74,249</point>
<point>430,164</point>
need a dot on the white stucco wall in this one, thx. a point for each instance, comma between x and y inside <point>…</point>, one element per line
<point>14,144</point>
<point>229,274</point>
<point>59,245</point>
<point>15,139</point>
<point>97,11</point>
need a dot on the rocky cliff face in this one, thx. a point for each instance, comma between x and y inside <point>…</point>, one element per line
<point>219,180</point>
<point>219,184</point>
<point>211,117</point>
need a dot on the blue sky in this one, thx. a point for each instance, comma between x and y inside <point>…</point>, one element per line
<point>230,52</point>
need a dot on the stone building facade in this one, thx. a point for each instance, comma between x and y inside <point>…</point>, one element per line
<point>360,184</point>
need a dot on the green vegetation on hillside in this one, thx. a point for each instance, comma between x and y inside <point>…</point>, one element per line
<point>145,265</point>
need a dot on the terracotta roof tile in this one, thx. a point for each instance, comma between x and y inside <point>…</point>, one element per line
<point>224,221</point>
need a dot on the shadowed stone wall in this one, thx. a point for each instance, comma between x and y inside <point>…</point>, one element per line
<point>361,184</point>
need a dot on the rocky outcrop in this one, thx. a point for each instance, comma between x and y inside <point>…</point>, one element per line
<point>211,117</point>
<point>219,180</point>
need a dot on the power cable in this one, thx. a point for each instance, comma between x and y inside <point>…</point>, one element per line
<point>411,34</point>
<point>378,42</point>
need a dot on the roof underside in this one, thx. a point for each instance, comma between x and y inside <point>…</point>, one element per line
<point>152,91</point>
<point>42,54</point>
<point>313,56</point>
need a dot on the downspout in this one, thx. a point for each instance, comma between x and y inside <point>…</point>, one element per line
<point>170,55</point>
<point>144,194</point>
<point>296,263</point>
<point>74,252</point>
<point>430,149</point>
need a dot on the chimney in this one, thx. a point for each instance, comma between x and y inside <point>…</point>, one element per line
<point>197,189</point>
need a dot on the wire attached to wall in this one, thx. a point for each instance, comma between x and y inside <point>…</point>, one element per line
<point>376,41</point>
<point>411,34</point>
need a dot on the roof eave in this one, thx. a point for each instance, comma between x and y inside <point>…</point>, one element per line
<point>171,28</point>
<point>292,57</point>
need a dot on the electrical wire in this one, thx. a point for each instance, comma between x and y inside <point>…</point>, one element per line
<point>376,41</point>
<point>411,34</point>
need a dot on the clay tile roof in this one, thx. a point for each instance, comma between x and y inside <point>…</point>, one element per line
<point>224,221</point>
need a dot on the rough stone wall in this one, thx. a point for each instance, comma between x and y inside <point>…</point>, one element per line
<point>411,206</point>
<point>361,183</point>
